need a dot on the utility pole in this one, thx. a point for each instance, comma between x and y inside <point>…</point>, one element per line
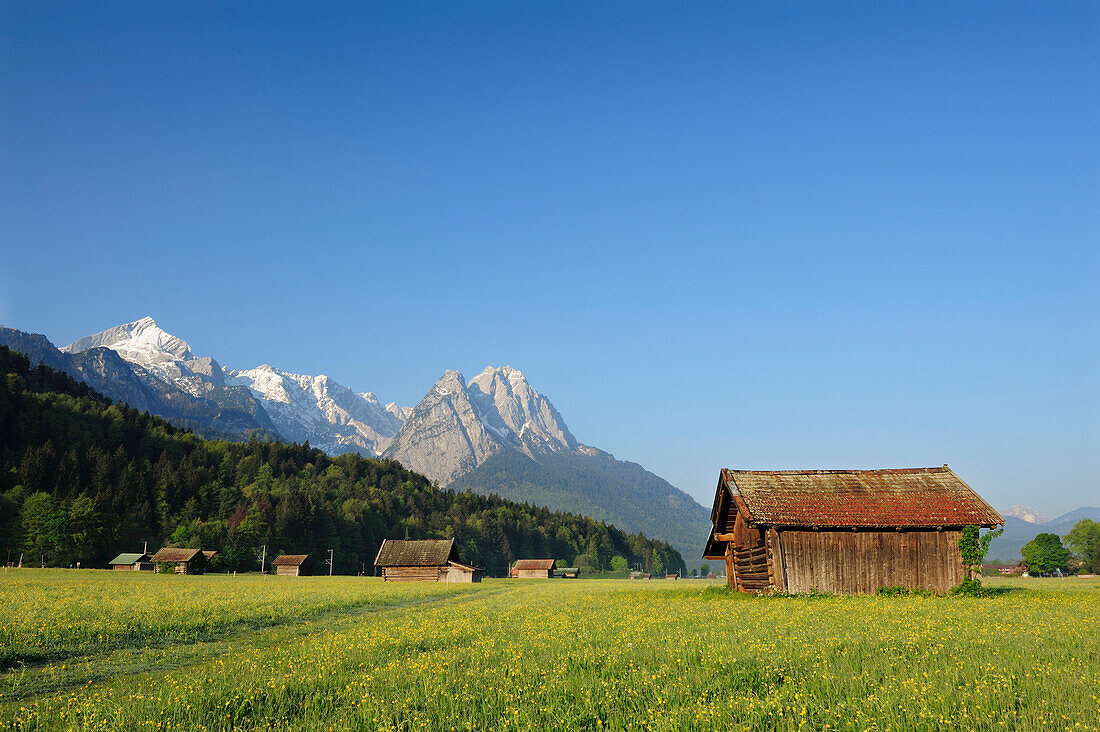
<point>146,549</point>
<point>263,558</point>
<point>329,562</point>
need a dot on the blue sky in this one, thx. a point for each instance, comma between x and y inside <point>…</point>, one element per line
<point>761,235</point>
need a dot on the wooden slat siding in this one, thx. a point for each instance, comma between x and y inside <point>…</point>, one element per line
<point>864,561</point>
<point>772,554</point>
<point>533,574</point>
<point>778,569</point>
<point>411,574</point>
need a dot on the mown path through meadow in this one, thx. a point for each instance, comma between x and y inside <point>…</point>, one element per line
<point>352,653</point>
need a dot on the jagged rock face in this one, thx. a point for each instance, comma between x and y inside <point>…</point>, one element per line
<point>458,426</point>
<point>517,413</point>
<point>316,408</point>
<point>444,436</point>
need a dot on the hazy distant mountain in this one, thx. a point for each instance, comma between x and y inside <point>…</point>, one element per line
<point>1024,513</point>
<point>1019,532</point>
<point>496,434</point>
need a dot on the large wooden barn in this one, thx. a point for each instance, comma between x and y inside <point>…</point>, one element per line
<point>843,531</point>
<point>423,560</point>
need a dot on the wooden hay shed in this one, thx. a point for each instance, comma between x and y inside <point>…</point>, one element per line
<point>186,561</point>
<point>423,560</point>
<point>843,531</point>
<point>131,562</point>
<point>293,565</point>
<point>568,572</point>
<point>534,568</point>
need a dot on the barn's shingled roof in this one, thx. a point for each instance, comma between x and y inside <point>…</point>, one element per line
<point>534,564</point>
<point>173,554</point>
<point>415,553</point>
<point>290,560</point>
<point>906,497</point>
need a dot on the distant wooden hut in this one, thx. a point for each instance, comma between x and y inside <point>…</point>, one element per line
<point>843,531</point>
<point>534,568</point>
<point>186,561</point>
<point>293,565</point>
<point>131,563</point>
<point>423,560</point>
<point>568,572</point>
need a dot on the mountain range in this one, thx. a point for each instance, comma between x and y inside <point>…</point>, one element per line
<point>1019,531</point>
<point>492,434</point>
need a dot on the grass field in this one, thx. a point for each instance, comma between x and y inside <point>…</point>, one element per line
<point>131,651</point>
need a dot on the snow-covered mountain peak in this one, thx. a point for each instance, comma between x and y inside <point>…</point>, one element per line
<point>142,342</point>
<point>302,407</point>
<point>1024,513</point>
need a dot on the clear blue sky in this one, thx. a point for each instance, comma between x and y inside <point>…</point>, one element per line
<point>762,235</point>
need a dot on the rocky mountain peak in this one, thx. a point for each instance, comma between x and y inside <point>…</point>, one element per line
<point>459,425</point>
<point>450,382</point>
<point>142,342</point>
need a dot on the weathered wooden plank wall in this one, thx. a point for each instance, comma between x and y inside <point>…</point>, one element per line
<point>860,562</point>
<point>411,574</point>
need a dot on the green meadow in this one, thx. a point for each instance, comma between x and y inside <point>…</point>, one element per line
<point>131,651</point>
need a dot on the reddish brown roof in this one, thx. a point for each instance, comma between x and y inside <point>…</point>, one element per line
<point>290,560</point>
<point>172,554</point>
<point>906,497</point>
<point>534,564</point>
<point>415,553</point>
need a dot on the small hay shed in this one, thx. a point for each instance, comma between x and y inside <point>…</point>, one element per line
<point>534,568</point>
<point>293,565</point>
<point>423,560</point>
<point>186,561</point>
<point>843,531</point>
<point>131,563</point>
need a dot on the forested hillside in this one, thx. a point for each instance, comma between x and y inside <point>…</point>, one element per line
<point>595,483</point>
<point>82,479</point>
